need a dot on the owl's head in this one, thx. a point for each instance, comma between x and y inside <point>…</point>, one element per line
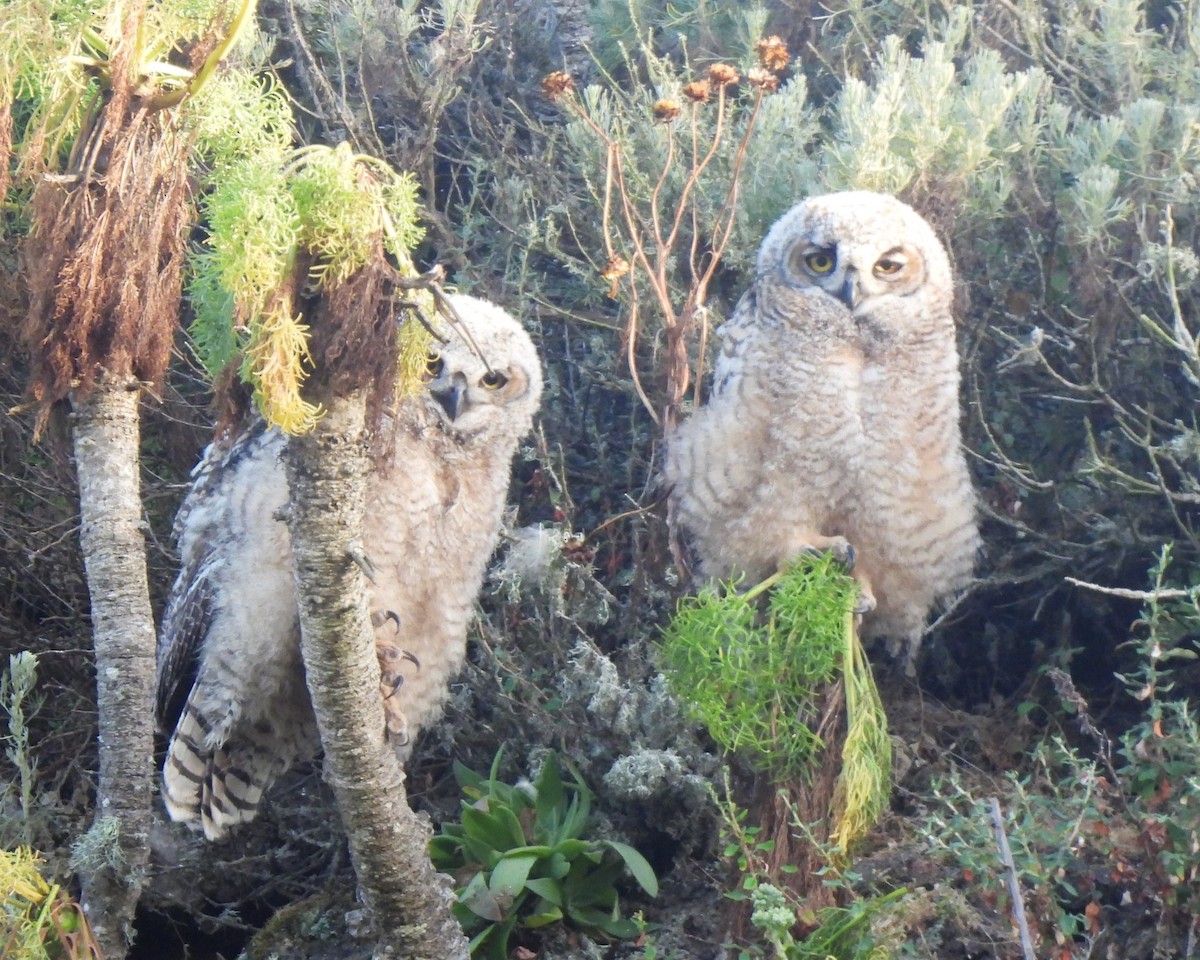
<point>487,389</point>
<point>864,249</point>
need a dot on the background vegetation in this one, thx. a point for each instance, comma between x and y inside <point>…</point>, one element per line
<point>1055,148</point>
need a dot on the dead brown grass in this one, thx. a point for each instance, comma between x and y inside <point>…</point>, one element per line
<point>104,256</point>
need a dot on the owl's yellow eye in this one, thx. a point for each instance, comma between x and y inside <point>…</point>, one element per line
<point>820,261</point>
<point>494,380</point>
<point>433,366</point>
<point>890,265</point>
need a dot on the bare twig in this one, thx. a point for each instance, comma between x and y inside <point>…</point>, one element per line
<point>638,222</point>
<point>1014,884</point>
<point>1064,686</point>
<point>1142,595</point>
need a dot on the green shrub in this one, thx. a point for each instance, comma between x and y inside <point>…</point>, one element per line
<point>1073,817</point>
<point>758,679</point>
<point>754,680</point>
<point>522,852</point>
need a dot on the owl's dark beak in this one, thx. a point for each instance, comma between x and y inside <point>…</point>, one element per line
<point>452,396</point>
<point>851,292</point>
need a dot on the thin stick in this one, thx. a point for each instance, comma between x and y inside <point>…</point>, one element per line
<point>1143,595</point>
<point>1014,885</point>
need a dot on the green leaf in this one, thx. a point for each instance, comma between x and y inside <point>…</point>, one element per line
<point>638,865</point>
<point>550,796</point>
<point>584,887</point>
<point>604,921</point>
<point>547,888</point>
<point>445,852</point>
<point>508,821</point>
<point>572,848</point>
<point>535,920</point>
<point>510,873</point>
<point>477,898</point>
<point>467,777</point>
<point>484,828</point>
<point>480,852</point>
<point>559,866</point>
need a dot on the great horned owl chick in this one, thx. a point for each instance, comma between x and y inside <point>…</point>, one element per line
<point>231,688</point>
<point>834,417</point>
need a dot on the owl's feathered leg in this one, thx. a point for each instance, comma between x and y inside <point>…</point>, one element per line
<point>844,553</point>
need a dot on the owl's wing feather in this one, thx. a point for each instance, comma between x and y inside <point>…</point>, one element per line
<point>184,627</point>
<point>741,324</point>
<point>198,531</point>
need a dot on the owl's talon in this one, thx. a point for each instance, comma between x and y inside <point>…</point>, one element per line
<point>380,617</point>
<point>358,555</point>
<point>837,547</point>
<point>388,653</point>
<point>395,723</point>
<point>843,552</point>
<point>864,604</point>
<point>390,678</point>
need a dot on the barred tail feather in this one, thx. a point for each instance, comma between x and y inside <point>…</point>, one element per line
<point>186,769</point>
<point>214,789</point>
<point>230,795</point>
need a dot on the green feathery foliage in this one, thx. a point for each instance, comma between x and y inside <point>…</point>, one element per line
<point>864,785</point>
<point>345,201</point>
<point>39,920</point>
<point>754,680</point>
<point>270,208</point>
<point>57,58</point>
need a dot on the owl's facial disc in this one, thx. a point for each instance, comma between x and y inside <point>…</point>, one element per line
<point>853,275</point>
<point>468,398</point>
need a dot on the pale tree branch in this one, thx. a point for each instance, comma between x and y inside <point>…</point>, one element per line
<point>112,859</point>
<point>409,902</point>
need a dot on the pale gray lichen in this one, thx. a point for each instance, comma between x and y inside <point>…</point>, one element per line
<point>642,775</point>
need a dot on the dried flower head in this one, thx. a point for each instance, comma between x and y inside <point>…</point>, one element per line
<point>556,84</point>
<point>613,271</point>
<point>698,92</point>
<point>761,78</point>
<point>721,74</point>
<point>666,110</point>
<point>772,53</point>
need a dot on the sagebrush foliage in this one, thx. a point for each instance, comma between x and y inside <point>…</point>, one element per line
<point>1057,163</point>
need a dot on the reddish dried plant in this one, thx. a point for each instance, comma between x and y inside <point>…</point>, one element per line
<point>105,252</point>
<point>649,234</point>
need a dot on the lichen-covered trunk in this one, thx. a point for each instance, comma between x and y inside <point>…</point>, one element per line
<point>106,434</point>
<point>408,900</point>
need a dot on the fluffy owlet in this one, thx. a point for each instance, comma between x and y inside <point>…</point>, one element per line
<point>231,689</point>
<point>834,417</point>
